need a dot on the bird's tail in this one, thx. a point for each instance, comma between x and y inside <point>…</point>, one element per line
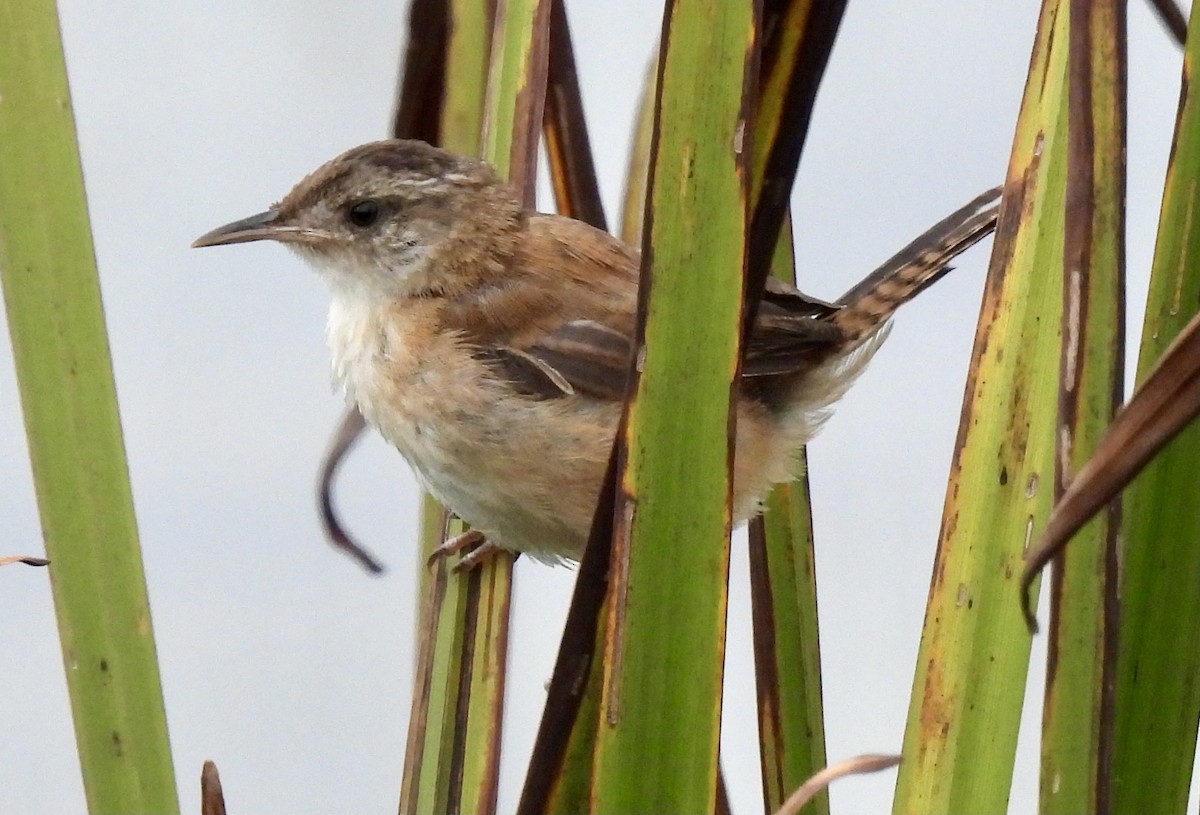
<point>871,302</point>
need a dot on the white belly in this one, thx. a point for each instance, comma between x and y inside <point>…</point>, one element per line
<point>525,472</point>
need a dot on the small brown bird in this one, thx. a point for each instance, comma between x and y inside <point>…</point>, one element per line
<point>490,344</point>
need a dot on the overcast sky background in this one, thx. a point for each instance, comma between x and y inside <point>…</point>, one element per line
<point>280,659</point>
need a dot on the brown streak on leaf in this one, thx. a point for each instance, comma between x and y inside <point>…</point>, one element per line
<point>423,686</point>
<point>529,110</point>
<point>1182,263</point>
<point>934,714</point>
<point>619,593</point>
<point>1037,57</point>
<point>572,170</point>
<point>1078,237</point>
<point>462,704</point>
<point>766,669</point>
<point>496,631</point>
<point>1096,29</point>
<point>1014,208</point>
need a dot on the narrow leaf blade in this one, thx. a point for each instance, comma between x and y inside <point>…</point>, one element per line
<point>64,370</point>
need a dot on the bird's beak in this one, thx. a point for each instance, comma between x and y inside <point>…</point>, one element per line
<point>261,227</point>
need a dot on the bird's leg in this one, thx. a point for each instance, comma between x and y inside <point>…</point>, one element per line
<point>452,546</point>
<point>476,545</point>
<point>482,553</point>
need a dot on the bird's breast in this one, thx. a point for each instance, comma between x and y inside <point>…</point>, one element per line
<point>522,469</point>
<point>402,373</point>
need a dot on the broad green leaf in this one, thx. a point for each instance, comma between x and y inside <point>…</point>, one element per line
<point>661,699</point>
<point>961,735</point>
<point>55,317</point>
<point>1157,703</point>
<point>1076,717</point>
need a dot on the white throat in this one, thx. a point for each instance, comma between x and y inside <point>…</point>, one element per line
<point>351,334</point>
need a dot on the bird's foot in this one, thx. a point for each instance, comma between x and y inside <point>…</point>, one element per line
<point>476,545</point>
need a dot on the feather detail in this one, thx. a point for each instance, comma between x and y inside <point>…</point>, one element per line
<point>915,267</point>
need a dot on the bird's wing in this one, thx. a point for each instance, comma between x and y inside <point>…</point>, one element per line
<point>565,324</point>
<point>560,319</point>
<point>581,356</point>
<point>577,300</point>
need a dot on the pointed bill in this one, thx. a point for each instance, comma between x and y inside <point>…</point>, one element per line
<point>262,226</point>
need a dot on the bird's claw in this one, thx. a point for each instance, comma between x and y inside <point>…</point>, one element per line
<point>476,545</point>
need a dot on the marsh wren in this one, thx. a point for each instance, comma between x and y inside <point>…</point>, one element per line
<point>490,344</point>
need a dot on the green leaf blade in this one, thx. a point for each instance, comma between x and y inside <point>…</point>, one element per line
<point>1158,696</point>
<point>660,705</point>
<point>60,346</point>
<point>1077,711</point>
<point>968,691</point>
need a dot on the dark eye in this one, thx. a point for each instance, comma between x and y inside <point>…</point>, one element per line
<point>363,213</point>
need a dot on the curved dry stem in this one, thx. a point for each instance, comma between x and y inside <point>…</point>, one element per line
<point>28,560</point>
<point>348,432</point>
<point>1173,19</point>
<point>869,763</point>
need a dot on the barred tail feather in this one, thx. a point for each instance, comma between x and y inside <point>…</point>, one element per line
<point>873,300</point>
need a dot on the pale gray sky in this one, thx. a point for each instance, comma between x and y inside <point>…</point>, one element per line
<point>280,659</point>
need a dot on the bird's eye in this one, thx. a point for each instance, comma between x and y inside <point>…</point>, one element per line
<point>363,213</point>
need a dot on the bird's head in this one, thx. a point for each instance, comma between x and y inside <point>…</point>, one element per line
<point>392,217</point>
